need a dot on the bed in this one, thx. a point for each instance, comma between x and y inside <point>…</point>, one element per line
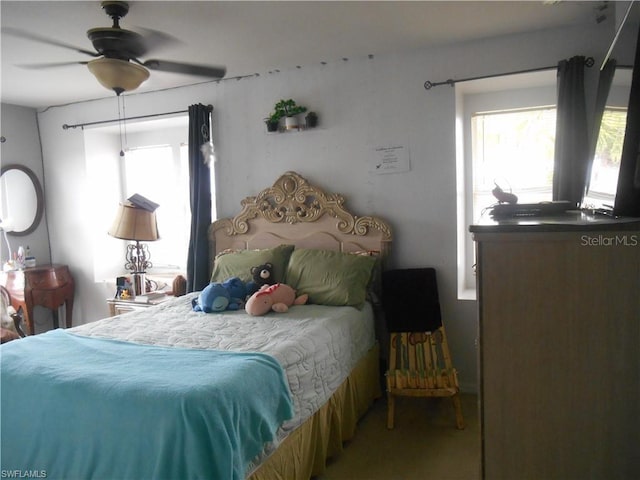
<point>168,392</point>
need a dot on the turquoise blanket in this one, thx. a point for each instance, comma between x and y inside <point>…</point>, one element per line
<point>78,408</point>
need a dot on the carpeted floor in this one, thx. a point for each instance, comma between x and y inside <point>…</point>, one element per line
<point>423,445</point>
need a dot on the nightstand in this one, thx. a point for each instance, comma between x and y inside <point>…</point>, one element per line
<point>119,306</point>
<point>47,285</point>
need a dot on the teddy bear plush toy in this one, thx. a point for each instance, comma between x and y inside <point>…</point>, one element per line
<point>278,297</point>
<point>262,275</point>
<point>217,297</point>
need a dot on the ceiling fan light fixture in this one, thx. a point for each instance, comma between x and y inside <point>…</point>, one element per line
<point>118,75</point>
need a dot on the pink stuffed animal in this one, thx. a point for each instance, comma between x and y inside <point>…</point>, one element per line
<point>278,297</point>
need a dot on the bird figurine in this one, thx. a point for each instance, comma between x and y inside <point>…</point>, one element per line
<point>502,196</point>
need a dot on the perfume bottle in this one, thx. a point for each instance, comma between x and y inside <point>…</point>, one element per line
<point>29,260</point>
<point>20,258</point>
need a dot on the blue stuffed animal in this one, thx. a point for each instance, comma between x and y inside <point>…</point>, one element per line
<point>237,292</point>
<point>213,298</point>
<point>218,297</point>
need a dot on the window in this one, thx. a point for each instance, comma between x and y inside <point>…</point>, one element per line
<point>512,149</point>
<point>160,173</point>
<point>156,166</point>
<point>505,135</point>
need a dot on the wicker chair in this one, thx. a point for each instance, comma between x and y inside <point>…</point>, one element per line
<point>419,358</point>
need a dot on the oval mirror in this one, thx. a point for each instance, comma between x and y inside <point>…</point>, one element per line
<point>21,199</point>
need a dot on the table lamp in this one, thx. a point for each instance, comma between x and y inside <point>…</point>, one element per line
<point>138,224</point>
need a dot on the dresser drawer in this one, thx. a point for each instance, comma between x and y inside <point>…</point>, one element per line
<point>48,280</point>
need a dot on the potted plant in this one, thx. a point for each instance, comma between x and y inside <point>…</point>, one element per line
<point>289,110</point>
<point>273,121</point>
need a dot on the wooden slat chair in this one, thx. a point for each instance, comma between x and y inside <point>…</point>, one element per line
<point>419,359</point>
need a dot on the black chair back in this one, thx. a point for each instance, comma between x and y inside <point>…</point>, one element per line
<point>410,300</point>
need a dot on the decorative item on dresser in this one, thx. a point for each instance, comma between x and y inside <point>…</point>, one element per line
<point>136,221</point>
<point>47,285</point>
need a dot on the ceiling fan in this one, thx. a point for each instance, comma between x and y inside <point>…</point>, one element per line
<point>117,65</point>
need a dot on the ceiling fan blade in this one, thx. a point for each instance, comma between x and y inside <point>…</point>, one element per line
<point>37,38</point>
<point>155,39</point>
<point>186,68</point>
<point>38,66</point>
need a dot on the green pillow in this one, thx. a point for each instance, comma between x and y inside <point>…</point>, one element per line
<point>238,263</point>
<point>330,277</point>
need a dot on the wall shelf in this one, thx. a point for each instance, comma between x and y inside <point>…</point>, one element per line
<point>301,128</point>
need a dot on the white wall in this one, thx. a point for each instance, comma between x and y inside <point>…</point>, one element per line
<point>22,146</point>
<point>362,103</point>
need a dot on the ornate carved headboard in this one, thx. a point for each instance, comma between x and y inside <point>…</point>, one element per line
<point>295,212</point>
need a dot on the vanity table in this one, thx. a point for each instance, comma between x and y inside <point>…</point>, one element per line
<point>559,326</point>
<point>49,286</point>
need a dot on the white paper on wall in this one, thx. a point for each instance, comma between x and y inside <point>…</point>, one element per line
<point>389,159</point>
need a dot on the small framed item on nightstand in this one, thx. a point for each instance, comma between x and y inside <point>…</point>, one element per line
<point>124,289</point>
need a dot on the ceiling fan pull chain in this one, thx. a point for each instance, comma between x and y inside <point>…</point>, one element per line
<point>120,121</point>
<point>124,123</point>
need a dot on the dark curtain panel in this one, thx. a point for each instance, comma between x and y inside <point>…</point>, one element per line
<point>200,198</point>
<point>571,158</point>
<point>604,86</point>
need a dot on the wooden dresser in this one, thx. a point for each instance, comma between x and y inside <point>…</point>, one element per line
<point>559,337</point>
<point>48,285</point>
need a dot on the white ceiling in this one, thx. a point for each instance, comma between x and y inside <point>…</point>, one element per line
<point>253,37</point>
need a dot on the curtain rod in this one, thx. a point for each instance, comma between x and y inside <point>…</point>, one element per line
<point>589,61</point>
<point>99,122</point>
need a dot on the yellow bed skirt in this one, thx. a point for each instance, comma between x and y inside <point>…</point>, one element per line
<point>304,452</point>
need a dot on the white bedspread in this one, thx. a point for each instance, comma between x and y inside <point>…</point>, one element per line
<point>316,345</point>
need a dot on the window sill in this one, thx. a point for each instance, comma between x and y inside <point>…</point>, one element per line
<point>467,294</point>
